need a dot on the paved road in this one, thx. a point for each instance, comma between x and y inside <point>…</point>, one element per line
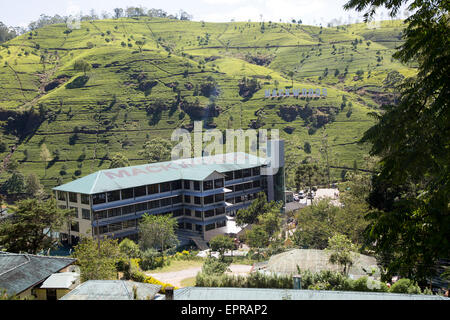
<point>175,277</point>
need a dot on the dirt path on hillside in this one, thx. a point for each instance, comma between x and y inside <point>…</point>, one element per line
<point>175,277</point>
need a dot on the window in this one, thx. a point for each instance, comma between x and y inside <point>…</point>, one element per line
<point>141,206</point>
<point>187,199</point>
<point>113,195</point>
<point>221,224</point>
<point>61,195</point>
<point>219,197</point>
<point>140,191</point>
<point>180,225</point>
<point>129,224</point>
<point>127,193</point>
<point>73,197</point>
<point>209,213</point>
<point>176,185</point>
<point>218,183</point>
<point>220,211</point>
<point>75,226</point>
<point>237,200</point>
<point>207,185</point>
<point>248,185</point>
<point>103,229</point>
<point>256,184</point>
<point>210,226</point>
<point>86,214</point>
<point>154,204</point>
<point>256,171</point>
<point>165,187</point>
<point>128,209</point>
<point>103,214</point>
<point>115,227</point>
<point>99,198</point>
<point>239,187</point>
<point>177,199</point>
<point>188,226</point>
<point>187,212</point>
<point>229,176</point>
<point>166,202</point>
<point>198,214</point>
<point>187,184</point>
<point>208,199</point>
<point>246,173</point>
<point>114,212</point>
<point>197,200</point>
<point>178,212</point>
<point>74,211</point>
<point>196,185</point>
<point>152,189</point>
<point>84,198</point>
<point>238,174</point>
<point>198,228</point>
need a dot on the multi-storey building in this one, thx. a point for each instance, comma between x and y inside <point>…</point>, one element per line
<point>199,192</point>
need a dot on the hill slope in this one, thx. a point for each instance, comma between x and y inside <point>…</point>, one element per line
<point>184,71</point>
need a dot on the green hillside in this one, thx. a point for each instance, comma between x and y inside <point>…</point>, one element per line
<point>132,94</point>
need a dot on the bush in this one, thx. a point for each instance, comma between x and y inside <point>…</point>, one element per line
<point>405,286</point>
<point>151,259</point>
<point>129,248</point>
<point>213,266</point>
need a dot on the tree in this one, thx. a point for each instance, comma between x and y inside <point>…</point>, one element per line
<point>307,147</point>
<point>158,231</point>
<point>15,184</point>
<point>129,248</point>
<point>33,186</point>
<point>118,13</point>
<point>271,220</point>
<point>118,161</point>
<point>156,150</point>
<point>221,243</point>
<point>30,230</point>
<point>342,252</point>
<point>97,262</point>
<point>250,214</point>
<point>45,156</point>
<point>257,238</point>
<point>308,174</point>
<point>12,165</point>
<point>410,221</point>
<point>291,76</point>
<point>82,65</point>
<point>140,44</point>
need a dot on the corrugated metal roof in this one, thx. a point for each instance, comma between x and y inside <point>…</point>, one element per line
<point>199,293</point>
<point>112,290</point>
<point>19,272</point>
<point>63,280</point>
<point>134,176</point>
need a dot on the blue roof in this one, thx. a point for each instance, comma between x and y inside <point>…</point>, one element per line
<point>134,176</point>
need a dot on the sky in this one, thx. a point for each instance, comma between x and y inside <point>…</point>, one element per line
<point>313,12</point>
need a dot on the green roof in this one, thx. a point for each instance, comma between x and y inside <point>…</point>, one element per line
<point>187,169</point>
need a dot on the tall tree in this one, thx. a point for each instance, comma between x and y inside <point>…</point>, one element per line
<point>30,230</point>
<point>45,156</point>
<point>258,207</point>
<point>118,161</point>
<point>156,150</point>
<point>97,263</point>
<point>410,222</point>
<point>342,252</point>
<point>158,231</point>
<point>221,243</point>
<point>33,186</point>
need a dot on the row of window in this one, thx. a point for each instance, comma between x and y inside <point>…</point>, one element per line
<point>245,186</point>
<point>198,228</point>
<point>73,197</point>
<point>118,226</point>
<point>243,198</point>
<point>244,173</point>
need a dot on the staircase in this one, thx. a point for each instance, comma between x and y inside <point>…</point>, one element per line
<point>187,236</point>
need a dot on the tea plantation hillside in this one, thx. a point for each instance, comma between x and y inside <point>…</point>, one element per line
<point>145,77</point>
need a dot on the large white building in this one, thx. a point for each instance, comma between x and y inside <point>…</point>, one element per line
<point>202,193</point>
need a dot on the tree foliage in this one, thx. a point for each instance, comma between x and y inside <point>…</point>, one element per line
<point>259,206</point>
<point>97,263</point>
<point>118,161</point>
<point>156,150</point>
<point>30,229</point>
<point>221,243</point>
<point>410,222</point>
<point>342,252</point>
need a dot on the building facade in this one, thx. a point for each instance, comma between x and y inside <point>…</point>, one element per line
<point>201,193</point>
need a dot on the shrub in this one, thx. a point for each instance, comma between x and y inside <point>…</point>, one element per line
<point>151,259</point>
<point>405,286</point>
<point>213,266</point>
<point>129,248</point>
